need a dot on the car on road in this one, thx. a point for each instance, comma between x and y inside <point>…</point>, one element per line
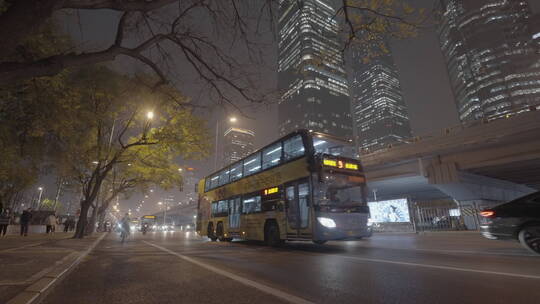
<point>516,220</point>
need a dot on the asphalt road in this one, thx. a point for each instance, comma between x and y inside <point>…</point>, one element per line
<point>178,267</point>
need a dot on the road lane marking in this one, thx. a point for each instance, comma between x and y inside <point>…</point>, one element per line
<point>264,288</point>
<point>508,274</point>
<point>22,247</point>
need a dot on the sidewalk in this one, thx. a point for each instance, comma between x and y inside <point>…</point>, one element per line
<point>27,260</point>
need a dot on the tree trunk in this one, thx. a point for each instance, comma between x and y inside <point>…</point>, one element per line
<point>83,220</point>
<point>92,224</point>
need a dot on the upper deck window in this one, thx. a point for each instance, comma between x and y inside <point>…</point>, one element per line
<point>271,155</point>
<point>252,164</point>
<point>214,181</point>
<point>333,147</point>
<point>236,172</point>
<point>224,177</point>
<point>207,184</point>
<point>293,147</point>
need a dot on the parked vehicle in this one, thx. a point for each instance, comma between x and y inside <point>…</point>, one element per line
<point>516,220</point>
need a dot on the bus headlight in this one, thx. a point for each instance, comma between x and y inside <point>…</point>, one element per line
<point>327,222</point>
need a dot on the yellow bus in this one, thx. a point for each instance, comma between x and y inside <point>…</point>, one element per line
<point>306,186</point>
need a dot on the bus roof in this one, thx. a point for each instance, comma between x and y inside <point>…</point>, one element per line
<point>303,132</point>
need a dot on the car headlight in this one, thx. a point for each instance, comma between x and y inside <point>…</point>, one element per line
<point>327,222</point>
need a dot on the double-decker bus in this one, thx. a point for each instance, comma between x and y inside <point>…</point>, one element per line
<point>306,186</point>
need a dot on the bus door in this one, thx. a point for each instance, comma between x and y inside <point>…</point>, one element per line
<point>297,200</point>
<point>234,213</point>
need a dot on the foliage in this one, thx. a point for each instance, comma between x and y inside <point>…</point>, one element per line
<point>368,25</point>
<point>49,204</point>
<point>107,135</point>
<point>28,112</point>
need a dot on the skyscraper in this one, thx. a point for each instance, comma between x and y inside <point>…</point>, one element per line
<point>492,59</point>
<point>237,143</point>
<point>311,75</point>
<point>379,111</point>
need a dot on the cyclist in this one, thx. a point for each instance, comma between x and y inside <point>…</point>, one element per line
<point>124,227</point>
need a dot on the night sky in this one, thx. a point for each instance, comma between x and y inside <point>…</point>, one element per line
<point>419,60</point>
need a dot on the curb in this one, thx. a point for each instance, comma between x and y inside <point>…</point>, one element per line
<point>35,292</point>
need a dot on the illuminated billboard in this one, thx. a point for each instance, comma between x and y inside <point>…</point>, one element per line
<point>391,211</point>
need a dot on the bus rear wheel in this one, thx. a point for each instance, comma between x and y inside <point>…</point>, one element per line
<point>219,232</point>
<point>272,237</point>
<point>210,232</point>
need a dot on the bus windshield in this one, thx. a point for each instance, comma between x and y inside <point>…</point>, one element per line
<point>334,147</point>
<point>340,190</point>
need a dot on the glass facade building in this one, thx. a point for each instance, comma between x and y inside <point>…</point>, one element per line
<point>379,111</point>
<point>238,143</point>
<point>311,75</point>
<point>492,58</point>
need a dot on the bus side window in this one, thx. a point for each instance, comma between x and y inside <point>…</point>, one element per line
<point>293,147</point>
<point>251,204</point>
<point>271,156</point>
<point>214,208</point>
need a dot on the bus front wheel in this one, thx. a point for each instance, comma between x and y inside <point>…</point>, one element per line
<point>272,235</point>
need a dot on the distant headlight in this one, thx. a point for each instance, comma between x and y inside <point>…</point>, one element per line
<point>327,222</point>
<point>154,226</point>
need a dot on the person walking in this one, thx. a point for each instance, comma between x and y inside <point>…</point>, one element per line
<point>66,225</point>
<point>26,216</point>
<point>5,220</point>
<point>50,222</point>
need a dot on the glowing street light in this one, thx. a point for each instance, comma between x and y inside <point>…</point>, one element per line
<point>232,119</point>
<point>39,199</point>
<point>180,169</point>
<point>150,115</point>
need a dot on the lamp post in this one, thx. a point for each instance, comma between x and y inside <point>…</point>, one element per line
<point>164,212</point>
<point>232,120</point>
<point>39,198</point>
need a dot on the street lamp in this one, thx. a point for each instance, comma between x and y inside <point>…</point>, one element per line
<point>232,119</point>
<point>150,115</point>
<point>39,199</point>
<point>180,169</point>
<point>164,212</point>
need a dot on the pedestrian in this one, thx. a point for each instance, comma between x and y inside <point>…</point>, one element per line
<point>50,222</point>
<point>5,220</point>
<point>66,225</point>
<point>26,216</point>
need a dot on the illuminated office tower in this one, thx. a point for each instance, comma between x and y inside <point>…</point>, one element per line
<point>311,75</point>
<point>492,57</point>
<point>379,111</point>
<point>238,143</point>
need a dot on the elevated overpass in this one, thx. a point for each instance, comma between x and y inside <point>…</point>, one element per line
<point>485,163</point>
